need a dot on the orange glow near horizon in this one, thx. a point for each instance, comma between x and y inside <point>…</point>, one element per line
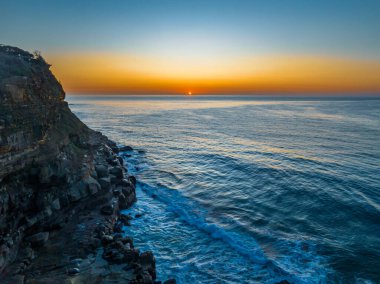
<point>125,74</point>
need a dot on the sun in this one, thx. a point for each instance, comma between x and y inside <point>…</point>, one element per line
<point>189,93</point>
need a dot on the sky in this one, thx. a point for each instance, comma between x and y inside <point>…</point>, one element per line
<point>209,46</point>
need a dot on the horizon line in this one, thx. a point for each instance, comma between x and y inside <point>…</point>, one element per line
<point>277,93</point>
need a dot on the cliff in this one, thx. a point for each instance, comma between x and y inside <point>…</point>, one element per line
<point>61,187</point>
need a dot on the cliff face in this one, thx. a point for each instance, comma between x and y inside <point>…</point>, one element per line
<point>61,184</point>
<point>42,147</point>
<point>35,122</point>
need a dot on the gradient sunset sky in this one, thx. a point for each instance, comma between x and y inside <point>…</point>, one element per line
<point>209,46</point>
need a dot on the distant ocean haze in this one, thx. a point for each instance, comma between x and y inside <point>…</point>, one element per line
<point>250,190</point>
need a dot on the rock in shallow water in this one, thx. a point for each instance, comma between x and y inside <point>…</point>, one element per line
<point>117,172</point>
<point>132,179</point>
<point>121,161</point>
<point>125,149</point>
<point>148,261</point>
<point>125,220</point>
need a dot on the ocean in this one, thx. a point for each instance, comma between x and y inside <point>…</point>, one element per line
<point>238,189</point>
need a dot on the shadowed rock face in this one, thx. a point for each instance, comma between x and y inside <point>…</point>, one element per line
<point>44,147</point>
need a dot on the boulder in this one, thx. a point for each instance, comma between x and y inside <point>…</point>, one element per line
<point>114,179</point>
<point>56,204</point>
<point>101,170</point>
<point>73,271</point>
<point>132,179</point>
<point>105,183</point>
<point>125,149</point>
<point>127,190</point>
<point>82,187</point>
<point>77,191</point>
<point>118,228</point>
<point>30,221</point>
<point>117,191</point>
<point>126,201</point>
<point>94,174</point>
<point>125,219</point>
<point>121,161</point>
<point>39,239</point>
<point>64,200</point>
<point>113,162</point>
<point>107,210</point>
<point>147,258</point>
<point>74,194</point>
<point>131,255</point>
<point>44,175</point>
<point>117,172</point>
<point>107,239</point>
<point>148,262</point>
<point>146,277</point>
<point>47,212</point>
<point>92,185</point>
<point>126,182</point>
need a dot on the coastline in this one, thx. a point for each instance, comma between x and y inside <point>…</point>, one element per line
<point>62,187</point>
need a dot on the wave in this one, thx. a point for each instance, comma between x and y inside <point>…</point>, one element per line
<point>295,264</point>
<point>282,269</point>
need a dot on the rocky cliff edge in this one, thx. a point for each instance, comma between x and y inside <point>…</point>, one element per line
<point>62,186</point>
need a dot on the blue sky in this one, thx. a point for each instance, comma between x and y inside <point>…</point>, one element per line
<point>348,28</point>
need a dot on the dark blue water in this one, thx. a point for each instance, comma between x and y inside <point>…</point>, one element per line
<point>237,189</point>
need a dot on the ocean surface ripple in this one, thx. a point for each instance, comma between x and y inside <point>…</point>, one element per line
<point>245,190</point>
